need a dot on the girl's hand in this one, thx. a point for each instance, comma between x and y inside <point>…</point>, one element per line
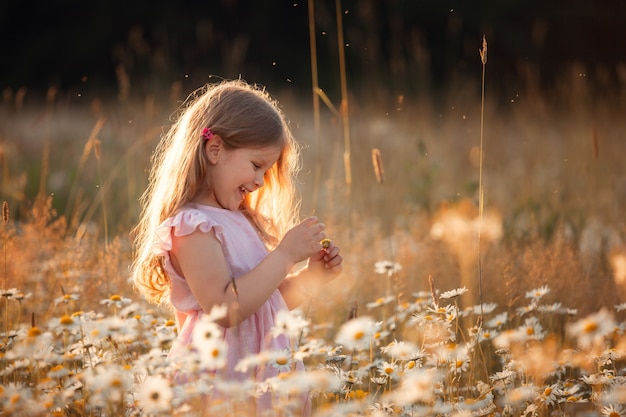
<point>303,241</point>
<point>327,263</point>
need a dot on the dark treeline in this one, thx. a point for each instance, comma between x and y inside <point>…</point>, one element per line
<point>392,45</point>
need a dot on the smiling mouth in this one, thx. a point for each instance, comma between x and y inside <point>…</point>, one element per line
<point>243,191</point>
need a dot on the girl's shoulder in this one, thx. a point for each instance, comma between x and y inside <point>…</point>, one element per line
<point>204,217</point>
<point>192,217</point>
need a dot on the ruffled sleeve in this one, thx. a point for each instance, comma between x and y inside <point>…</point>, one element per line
<point>182,224</point>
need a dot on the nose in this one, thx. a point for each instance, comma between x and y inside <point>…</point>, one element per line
<point>259,179</point>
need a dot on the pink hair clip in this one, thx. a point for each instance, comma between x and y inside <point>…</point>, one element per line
<point>207,134</point>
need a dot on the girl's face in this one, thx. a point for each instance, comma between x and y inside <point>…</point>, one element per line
<point>233,173</point>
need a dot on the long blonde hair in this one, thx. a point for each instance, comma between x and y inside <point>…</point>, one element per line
<point>243,116</point>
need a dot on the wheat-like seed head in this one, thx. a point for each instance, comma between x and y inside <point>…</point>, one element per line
<point>483,51</point>
<point>377,162</point>
<point>5,212</point>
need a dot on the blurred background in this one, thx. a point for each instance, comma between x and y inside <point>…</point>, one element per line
<point>89,87</point>
<point>407,47</point>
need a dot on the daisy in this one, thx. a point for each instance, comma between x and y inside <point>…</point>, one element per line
<point>281,360</point>
<point>10,293</point>
<point>252,361</point>
<point>425,318</point>
<point>155,395</point>
<point>498,321</point>
<point>550,395</point>
<point>526,309</point>
<point>612,410</point>
<point>381,410</point>
<point>204,331</point>
<point>217,312</point>
<point>591,330</point>
<point>387,267</point>
<point>65,323</point>
<point>213,353</point>
<point>289,323</point>
<point>18,400</point>
<point>114,327</point>
<point>487,335</point>
<point>520,395</point>
<point>381,301</point>
<point>460,364</point>
<point>379,380</point>
<point>537,293</point>
<point>109,384</point>
<point>453,293</point>
<point>484,308</point>
<point>66,298</point>
<point>116,300</point>
<point>507,376</point>
<point>389,370</point>
<point>551,308</point>
<point>356,333</point>
<point>531,330</point>
<point>312,347</point>
<point>423,297</point>
<point>400,350</point>
<point>417,387</point>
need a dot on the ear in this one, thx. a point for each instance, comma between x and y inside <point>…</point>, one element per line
<point>213,147</point>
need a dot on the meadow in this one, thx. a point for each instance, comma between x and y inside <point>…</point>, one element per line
<point>445,307</point>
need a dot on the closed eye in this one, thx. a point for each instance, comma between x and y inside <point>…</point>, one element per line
<point>256,166</point>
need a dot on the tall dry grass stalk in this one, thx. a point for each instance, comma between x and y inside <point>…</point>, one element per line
<point>74,203</point>
<point>344,108</point>
<point>5,221</point>
<point>316,104</point>
<point>481,201</point>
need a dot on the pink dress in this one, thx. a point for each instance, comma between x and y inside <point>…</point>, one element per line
<point>243,250</point>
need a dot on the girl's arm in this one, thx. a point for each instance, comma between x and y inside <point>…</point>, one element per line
<point>321,268</point>
<point>200,259</point>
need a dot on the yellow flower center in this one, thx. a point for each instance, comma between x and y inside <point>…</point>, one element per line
<point>614,414</point>
<point>170,323</point>
<point>34,332</point>
<point>359,335</point>
<point>215,353</point>
<point>411,365</point>
<point>590,327</point>
<point>281,361</point>
<point>547,391</point>
<point>459,363</point>
<point>389,370</point>
<point>66,320</point>
<point>115,297</point>
<point>530,331</point>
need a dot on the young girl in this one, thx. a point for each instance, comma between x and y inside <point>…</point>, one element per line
<point>219,223</point>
